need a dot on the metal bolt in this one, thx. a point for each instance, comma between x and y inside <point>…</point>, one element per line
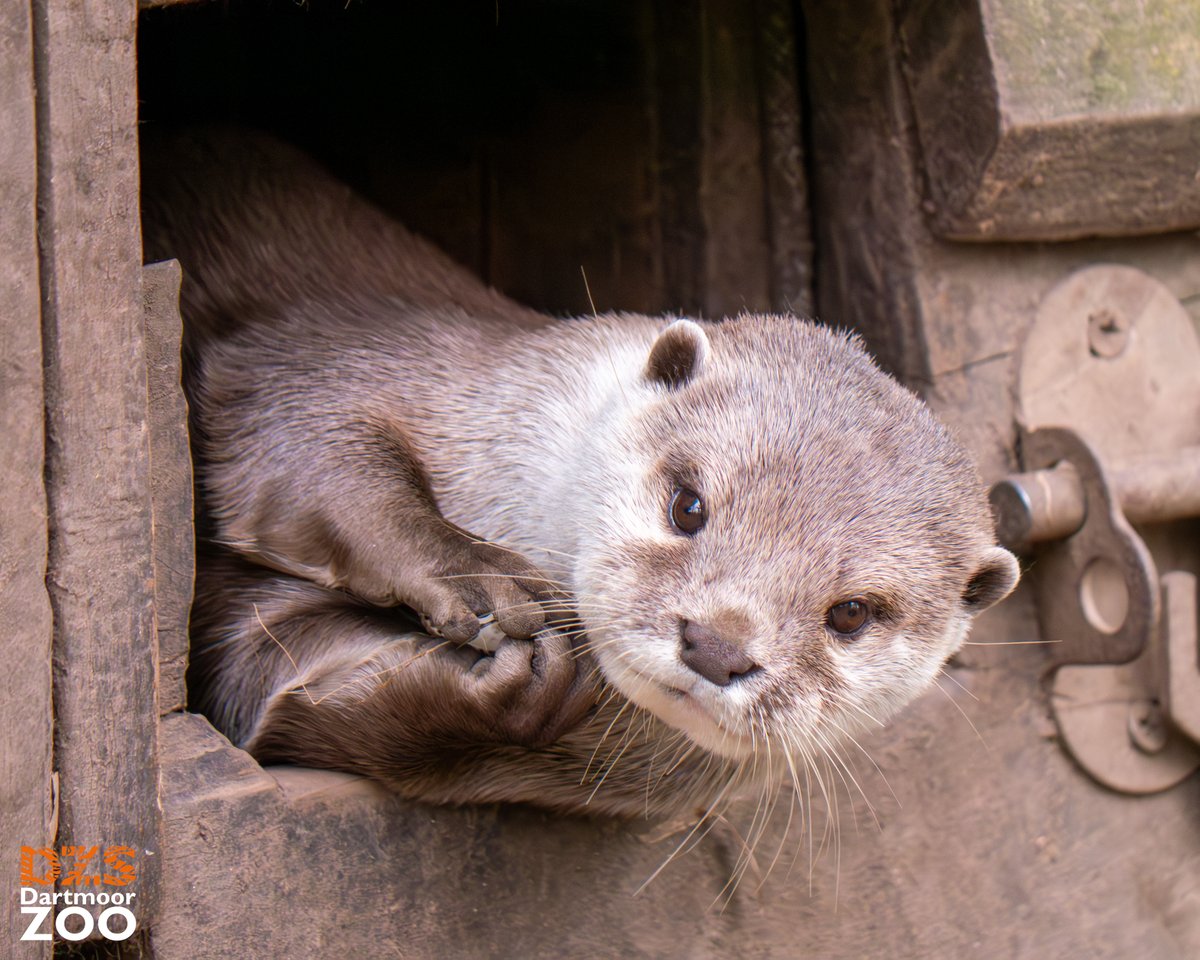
<point>1108,333</point>
<point>1147,728</point>
<point>1051,504</point>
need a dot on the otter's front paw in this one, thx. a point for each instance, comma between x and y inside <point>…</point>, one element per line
<point>473,583</point>
<point>530,693</point>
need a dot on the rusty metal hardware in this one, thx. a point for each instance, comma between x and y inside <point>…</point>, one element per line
<point>1109,395</point>
<point>1050,504</point>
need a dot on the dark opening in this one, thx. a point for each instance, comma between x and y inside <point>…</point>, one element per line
<point>520,136</point>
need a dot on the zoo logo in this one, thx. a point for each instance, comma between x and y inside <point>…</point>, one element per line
<point>117,871</point>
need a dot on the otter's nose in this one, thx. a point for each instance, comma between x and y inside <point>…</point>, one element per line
<point>718,658</point>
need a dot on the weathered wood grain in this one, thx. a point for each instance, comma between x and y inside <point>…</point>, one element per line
<point>1055,121</point>
<point>866,211</point>
<point>285,862</point>
<point>714,236</point>
<point>320,864</point>
<point>26,722</point>
<point>575,182</point>
<point>99,574</point>
<point>733,198</point>
<point>789,218</point>
<point>170,480</point>
<point>946,317</point>
<point>678,119</point>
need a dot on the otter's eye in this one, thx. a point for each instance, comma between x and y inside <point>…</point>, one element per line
<point>687,511</point>
<point>848,617</point>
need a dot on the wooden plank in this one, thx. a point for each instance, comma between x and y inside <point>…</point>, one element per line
<point>733,196</point>
<point>286,862</point>
<point>712,196</point>
<point>678,132</point>
<point>1055,121</point>
<point>572,181</point>
<point>789,217</point>
<point>97,480</point>
<point>662,195</point>
<point>174,547</point>
<point>26,721</point>
<point>946,317</point>
<point>861,181</point>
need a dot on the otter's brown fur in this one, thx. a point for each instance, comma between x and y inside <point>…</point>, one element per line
<point>379,433</point>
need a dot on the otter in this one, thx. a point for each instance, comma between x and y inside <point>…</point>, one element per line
<point>618,564</point>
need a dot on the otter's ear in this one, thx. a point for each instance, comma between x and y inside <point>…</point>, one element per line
<point>678,354</point>
<point>992,581</point>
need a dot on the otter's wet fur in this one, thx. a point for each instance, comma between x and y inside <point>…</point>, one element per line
<point>377,432</point>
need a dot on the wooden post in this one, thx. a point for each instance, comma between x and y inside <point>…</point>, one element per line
<point>1055,121</point>
<point>174,551</point>
<point>97,458</point>
<point>26,724</point>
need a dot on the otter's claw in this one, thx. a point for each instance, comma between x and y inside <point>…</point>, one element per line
<point>487,640</point>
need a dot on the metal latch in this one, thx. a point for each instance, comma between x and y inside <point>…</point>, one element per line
<point>1109,396</point>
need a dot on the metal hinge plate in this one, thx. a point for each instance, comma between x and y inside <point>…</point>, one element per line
<point>1109,398</point>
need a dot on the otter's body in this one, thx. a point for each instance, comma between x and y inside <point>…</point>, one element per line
<point>713,505</point>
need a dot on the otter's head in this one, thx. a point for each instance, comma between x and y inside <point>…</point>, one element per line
<point>792,544</point>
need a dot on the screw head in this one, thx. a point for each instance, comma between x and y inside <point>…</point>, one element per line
<point>1147,726</point>
<point>1108,333</point>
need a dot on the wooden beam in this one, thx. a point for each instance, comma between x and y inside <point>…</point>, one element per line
<point>714,232</point>
<point>170,481</point>
<point>789,219</point>
<point>97,458</point>
<point>287,862</point>
<point>1055,121</point>
<point>26,722</point>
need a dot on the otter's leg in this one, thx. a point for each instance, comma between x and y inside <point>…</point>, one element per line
<point>351,508</point>
<point>298,673</point>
